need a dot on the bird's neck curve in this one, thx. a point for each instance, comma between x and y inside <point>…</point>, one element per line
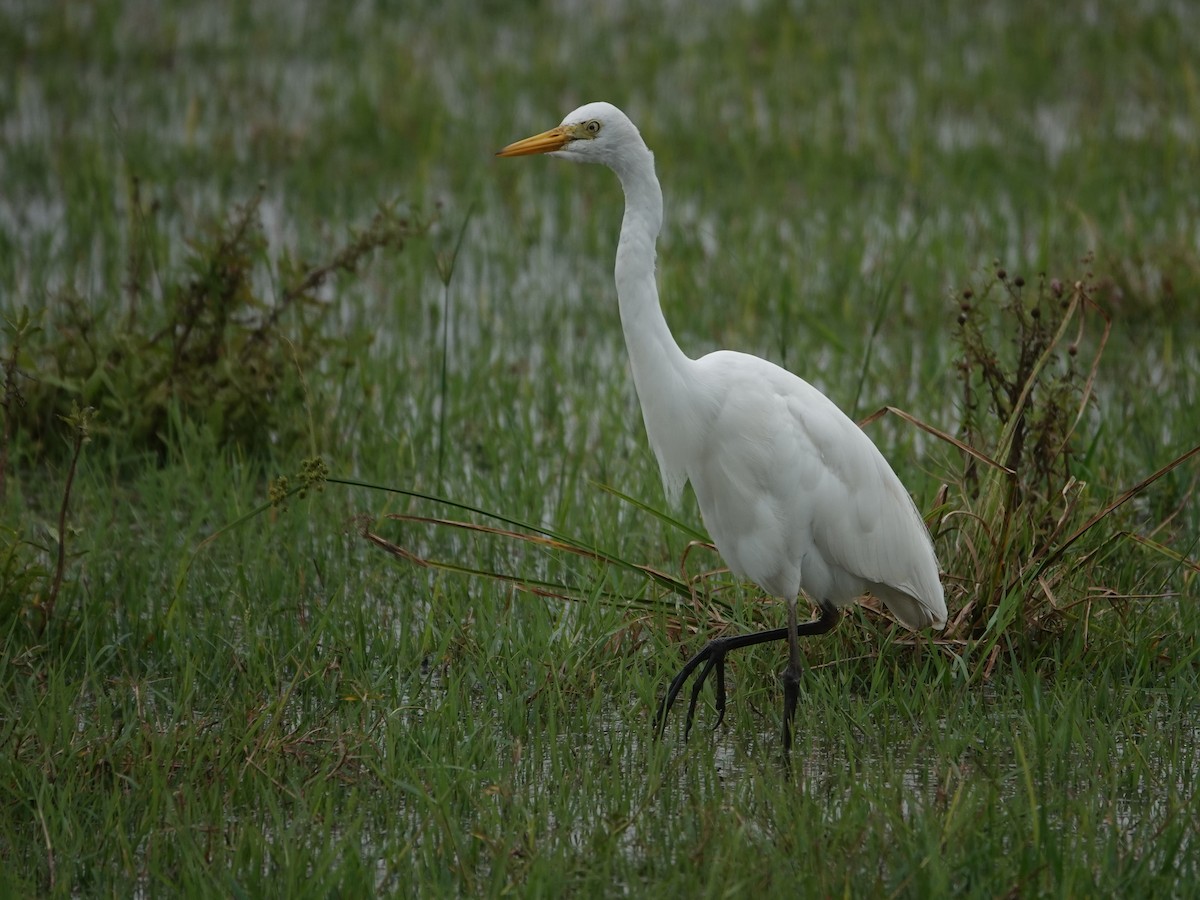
<point>647,336</point>
<point>660,368</point>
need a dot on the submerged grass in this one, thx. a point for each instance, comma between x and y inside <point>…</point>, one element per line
<point>278,707</point>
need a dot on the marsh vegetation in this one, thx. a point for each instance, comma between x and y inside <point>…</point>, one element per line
<point>237,239</point>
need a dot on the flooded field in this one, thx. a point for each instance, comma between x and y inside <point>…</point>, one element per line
<point>282,228</point>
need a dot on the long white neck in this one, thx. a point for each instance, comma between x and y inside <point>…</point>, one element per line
<point>660,368</point>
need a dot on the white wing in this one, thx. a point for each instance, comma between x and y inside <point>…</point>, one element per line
<point>797,497</point>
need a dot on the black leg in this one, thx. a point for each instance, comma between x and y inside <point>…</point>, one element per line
<point>713,657</point>
<point>795,666</point>
<point>791,680</point>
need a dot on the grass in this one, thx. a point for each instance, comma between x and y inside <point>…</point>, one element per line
<point>284,709</point>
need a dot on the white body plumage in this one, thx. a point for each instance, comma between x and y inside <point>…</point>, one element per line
<point>795,496</point>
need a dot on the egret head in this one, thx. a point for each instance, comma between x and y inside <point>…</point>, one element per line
<point>596,132</point>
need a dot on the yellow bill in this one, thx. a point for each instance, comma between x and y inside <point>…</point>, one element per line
<point>546,142</point>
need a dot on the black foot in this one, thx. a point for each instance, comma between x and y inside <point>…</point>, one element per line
<point>713,657</point>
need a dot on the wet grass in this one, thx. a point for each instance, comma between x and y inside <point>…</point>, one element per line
<point>288,710</point>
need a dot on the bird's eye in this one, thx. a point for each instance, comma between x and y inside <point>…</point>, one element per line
<point>593,127</point>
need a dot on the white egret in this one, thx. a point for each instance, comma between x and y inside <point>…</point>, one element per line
<point>795,496</point>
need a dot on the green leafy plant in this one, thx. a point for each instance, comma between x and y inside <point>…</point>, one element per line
<point>26,584</point>
<point>1024,395</point>
<point>17,330</point>
<point>22,574</point>
<point>80,422</point>
<point>223,352</point>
